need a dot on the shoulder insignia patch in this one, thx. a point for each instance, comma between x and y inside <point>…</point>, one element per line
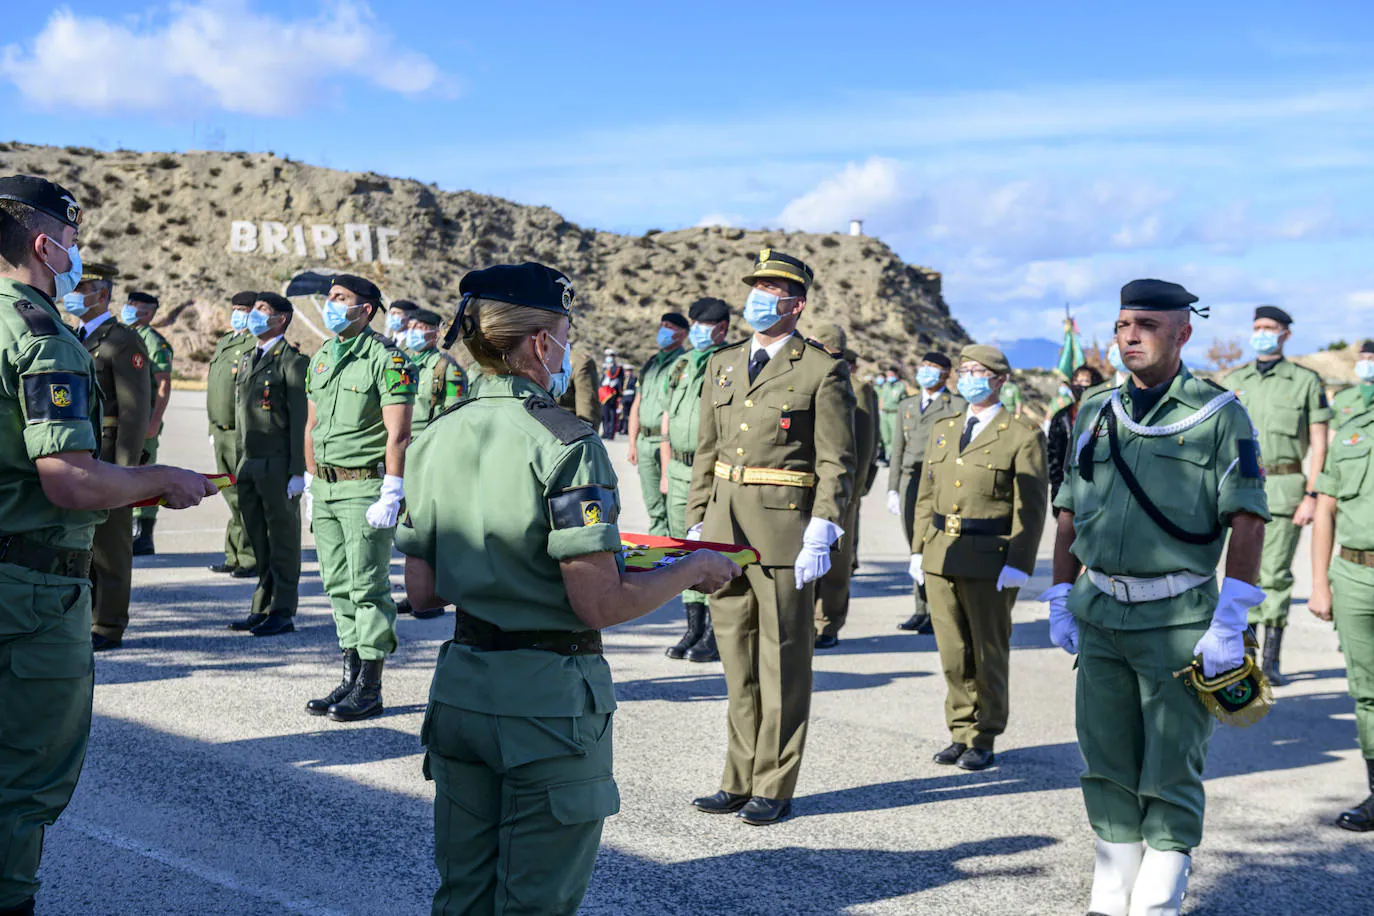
<point>1355,439</point>
<point>565,425</point>
<point>1248,454</point>
<point>581,507</point>
<point>56,396</point>
<point>39,322</point>
<point>138,361</point>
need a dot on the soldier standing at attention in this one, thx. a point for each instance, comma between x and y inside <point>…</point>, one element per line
<point>832,591</point>
<point>581,396</point>
<point>440,381</point>
<point>646,418</point>
<point>272,412</point>
<point>138,313</point>
<point>1343,587</point>
<point>519,725</point>
<point>1011,397</point>
<point>398,318</point>
<point>219,407</point>
<point>710,319</point>
<point>891,391</point>
<point>916,417</point>
<point>979,516</point>
<point>361,389</point>
<point>1148,603</point>
<point>1287,404</point>
<point>774,468</point>
<point>125,392</point>
<point>54,493</point>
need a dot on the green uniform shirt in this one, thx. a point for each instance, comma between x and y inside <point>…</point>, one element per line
<point>495,535</point>
<point>220,381</point>
<point>684,381</point>
<point>1283,404</point>
<point>159,356</point>
<point>653,391</point>
<point>350,382</point>
<point>1011,395</point>
<point>890,394</point>
<point>1348,475</point>
<point>1197,478</point>
<point>49,403</point>
<point>441,383</point>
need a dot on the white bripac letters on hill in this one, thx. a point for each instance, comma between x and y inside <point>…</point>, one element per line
<point>271,238</point>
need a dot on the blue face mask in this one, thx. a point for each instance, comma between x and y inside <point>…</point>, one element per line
<point>128,314</point>
<point>75,304</point>
<point>1114,357</point>
<point>1264,342</point>
<point>65,281</point>
<point>974,388</point>
<point>761,310</point>
<point>927,377</point>
<point>701,336</point>
<point>257,323</point>
<point>416,340</point>
<point>336,317</point>
<point>666,338</point>
<point>558,381</point>
<point>238,320</point>
<point>393,322</point>
<point>1364,370</point>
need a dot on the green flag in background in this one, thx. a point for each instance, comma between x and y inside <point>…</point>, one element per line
<point>1071,355</point>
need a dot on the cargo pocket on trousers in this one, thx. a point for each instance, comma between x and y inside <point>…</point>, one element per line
<point>51,661</point>
<point>581,802</point>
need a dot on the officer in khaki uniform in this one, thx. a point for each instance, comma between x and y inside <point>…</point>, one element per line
<point>832,592</point>
<point>220,384</point>
<point>980,511</point>
<point>440,381</point>
<point>1343,586</point>
<point>138,313</point>
<point>272,412</point>
<point>581,397</point>
<point>774,468</point>
<point>1160,467</point>
<point>1288,406</point>
<point>646,417</point>
<point>916,417</point>
<point>121,366</point>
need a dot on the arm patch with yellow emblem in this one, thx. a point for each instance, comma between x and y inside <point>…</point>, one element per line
<point>400,375</point>
<point>582,507</point>
<point>56,396</point>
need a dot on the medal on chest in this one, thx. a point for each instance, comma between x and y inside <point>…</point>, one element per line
<point>266,403</point>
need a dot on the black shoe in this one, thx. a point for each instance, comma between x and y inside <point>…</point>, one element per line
<point>918,623</point>
<point>976,758</point>
<point>1361,817</point>
<point>696,626</point>
<point>104,643</point>
<point>705,649</point>
<point>428,613</point>
<point>761,811</point>
<point>245,572</point>
<point>721,803</point>
<point>950,755</point>
<point>274,625</point>
<point>19,909</point>
<point>247,623</point>
<point>1273,645</point>
<point>403,606</point>
<point>351,664</point>
<point>143,541</point>
<point>827,641</point>
<point>223,568</point>
<point>365,699</point>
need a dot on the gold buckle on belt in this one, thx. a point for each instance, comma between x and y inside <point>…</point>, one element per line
<point>954,525</point>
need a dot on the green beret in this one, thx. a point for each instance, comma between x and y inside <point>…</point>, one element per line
<point>779,266</point>
<point>829,335</point>
<point>986,356</point>
<point>1155,296</point>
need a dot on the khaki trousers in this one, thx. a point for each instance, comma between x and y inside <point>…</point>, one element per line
<point>237,550</point>
<point>112,572</point>
<point>832,591</point>
<point>972,621</point>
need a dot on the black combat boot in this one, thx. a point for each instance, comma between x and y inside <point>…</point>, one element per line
<point>351,664</point>
<point>143,537</point>
<point>705,648</point>
<point>1361,817</point>
<point>19,909</point>
<point>696,623</point>
<point>365,699</point>
<point>1273,644</point>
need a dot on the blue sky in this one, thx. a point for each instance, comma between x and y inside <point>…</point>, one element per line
<point>1033,153</point>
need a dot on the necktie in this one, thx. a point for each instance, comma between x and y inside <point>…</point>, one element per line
<point>968,433</point>
<point>81,333</point>
<point>257,355</point>
<point>756,364</point>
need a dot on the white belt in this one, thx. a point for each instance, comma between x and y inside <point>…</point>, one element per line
<point>1135,590</point>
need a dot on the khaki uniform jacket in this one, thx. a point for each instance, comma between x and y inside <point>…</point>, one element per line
<point>912,432</point>
<point>1001,475</point>
<point>121,368</point>
<point>221,381</point>
<point>581,397</point>
<point>798,415</point>
<point>272,405</point>
<point>865,437</point>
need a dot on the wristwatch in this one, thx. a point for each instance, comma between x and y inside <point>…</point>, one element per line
<point>1311,493</point>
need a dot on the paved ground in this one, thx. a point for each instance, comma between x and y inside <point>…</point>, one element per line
<point>208,789</point>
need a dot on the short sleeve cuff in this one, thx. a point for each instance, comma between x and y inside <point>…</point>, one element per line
<point>411,543</point>
<point>1321,415</point>
<point>57,436</point>
<point>1244,495</point>
<point>1328,485</point>
<point>399,397</point>
<point>1064,500</point>
<point>566,543</point>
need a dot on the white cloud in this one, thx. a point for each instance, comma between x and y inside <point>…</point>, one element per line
<point>216,54</point>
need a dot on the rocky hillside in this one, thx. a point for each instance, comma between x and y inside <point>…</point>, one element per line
<point>194,228</point>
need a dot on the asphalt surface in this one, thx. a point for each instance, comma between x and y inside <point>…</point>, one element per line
<point>207,789</point>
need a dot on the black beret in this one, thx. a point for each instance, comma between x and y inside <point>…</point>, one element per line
<point>531,285</point>
<point>404,305</point>
<point>44,196</point>
<point>938,358</point>
<point>1368,347</point>
<point>1275,313</point>
<point>1155,296</point>
<point>709,311</point>
<point>676,319</point>
<point>425,316</point>
<point>278,303</point>
<point>142,297</point>
<point>365,290</point>
<point>244,299</point>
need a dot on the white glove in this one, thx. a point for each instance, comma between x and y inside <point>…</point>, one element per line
<point>295,486</point>
<point>384,512</point>
<point>1011,577</point>
<point>894,502</point>
<point>915,571</point>
<point>814,559</point>
<point>1063,626</point>
<point>307,499</point>
<point>1222,647</point>
<point>694,532</point>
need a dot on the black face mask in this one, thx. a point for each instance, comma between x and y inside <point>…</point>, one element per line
<point>1078,391</point>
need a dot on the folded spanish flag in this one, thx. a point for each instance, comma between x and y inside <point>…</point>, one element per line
<point>219,480</point>
<point>646,551</point>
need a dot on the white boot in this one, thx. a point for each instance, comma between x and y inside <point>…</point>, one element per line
<point>1161,883</point>
<point>1114,876</point>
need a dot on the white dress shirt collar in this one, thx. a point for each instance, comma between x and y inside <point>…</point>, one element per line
<point>94,323</point>
<point>772,349</point>
<point>984,419</point>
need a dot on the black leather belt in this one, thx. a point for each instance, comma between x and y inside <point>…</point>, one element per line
<point>957,525</point>
<point>44,558</point>
<point>684,457</point>
<point>1283,468</point>
<point>333,475</point>
<point>472,631</point>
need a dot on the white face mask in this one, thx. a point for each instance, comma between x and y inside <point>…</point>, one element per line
<point>1364,370</point>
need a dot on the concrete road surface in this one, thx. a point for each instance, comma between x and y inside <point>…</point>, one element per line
<point>208,789</point>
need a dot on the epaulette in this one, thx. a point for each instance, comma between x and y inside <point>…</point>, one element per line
<point>731,346</point>
<point>566,426</point>
<point>445,412</point>
<point>812,343</point>
<point>40,323</point>
<point>385,341</point>
<point>1215,384</point>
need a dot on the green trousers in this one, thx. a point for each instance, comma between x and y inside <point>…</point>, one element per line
<point>149,457</point>
<point>972,622</point>
<point>112,571</point>
<point>46,682</point>
<point>1143,735</point>
<point>518,809</point>
<point>887,425</point>
<point>1352,605</point>
<point>355,566</point>
<point>237,550</point>
<point>1276,572</point>
<point>273,524</point>
<point>675,509</point>
<point>832,589</point>
<point>650,468</point>
<point>910,484</point>
<point>766,637</point>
